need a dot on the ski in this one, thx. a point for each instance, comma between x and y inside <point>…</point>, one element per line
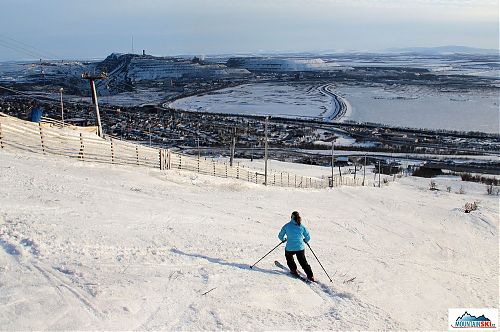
<point>285,269</point>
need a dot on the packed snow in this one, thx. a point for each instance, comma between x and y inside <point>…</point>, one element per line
<point>92,246</point>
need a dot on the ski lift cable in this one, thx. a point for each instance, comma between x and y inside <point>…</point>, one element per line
<point>22,45</point>
<point>17,92</point>
<point>49,100</point>
<point>18,49</point>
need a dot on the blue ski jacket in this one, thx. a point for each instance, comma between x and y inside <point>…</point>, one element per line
<point>295,236</point>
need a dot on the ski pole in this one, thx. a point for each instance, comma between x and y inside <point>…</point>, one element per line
<point>319,262</point>
<point>268,253</point>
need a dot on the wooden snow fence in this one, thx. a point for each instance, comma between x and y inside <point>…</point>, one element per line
<point>51,138</point>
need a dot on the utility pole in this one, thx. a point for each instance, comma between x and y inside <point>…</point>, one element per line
<point>355,167</point>
<point>149,133</point>
<point>333,159</point>
<point>233,146</point>
<point>364,172</point>
<point>379,173</point>
<point>265,152</point>
<point>62,106</point>
<point>198,139</point>
<point>91,79</point>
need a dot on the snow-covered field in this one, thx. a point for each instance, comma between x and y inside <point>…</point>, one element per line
<point>403,106</point>
<point>91,246</point>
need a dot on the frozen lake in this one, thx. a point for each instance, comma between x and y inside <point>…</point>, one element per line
<point>423,107</point>
<point>275,99</point>
<point>405,106</point>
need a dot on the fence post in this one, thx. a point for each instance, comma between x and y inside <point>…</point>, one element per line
<point>112,151</point>
<point>137,154</point>
<point>1,136</point>
<point>213,163</point>
<point>81,156</point>
<point>238,171</point>
<point>295,180</point>
<point>255,177</point>
<point>198,164</point>
<point>274,179</point>
<point>281,179</point>
<point>180,161</point>
<point>169,160</point>
<point>160,152</point>
<point>288,183</point>
<point>41,136</point>
<point>226,169</point>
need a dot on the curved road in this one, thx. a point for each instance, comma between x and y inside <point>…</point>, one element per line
<point>339,107</point>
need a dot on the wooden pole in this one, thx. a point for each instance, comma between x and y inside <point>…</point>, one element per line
<point>379,173</point>
<point>160,151</point>
<point>364,171</point>
<point>355,168</point>
<point>1,136</point>
<point>333,159</point>
<point>62,106</point>
<point>137,154</point>
<point>265,152</point>
<point>198,139</point>
<point>233,146</point>
<point>169,159</point>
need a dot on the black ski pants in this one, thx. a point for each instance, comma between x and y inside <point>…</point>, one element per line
<point>301,257</point>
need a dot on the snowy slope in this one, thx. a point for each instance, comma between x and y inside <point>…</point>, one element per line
<point>90,246</point>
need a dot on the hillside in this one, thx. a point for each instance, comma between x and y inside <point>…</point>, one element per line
<point>94,246</point>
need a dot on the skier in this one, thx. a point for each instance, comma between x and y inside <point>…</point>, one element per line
<point>296,235</point>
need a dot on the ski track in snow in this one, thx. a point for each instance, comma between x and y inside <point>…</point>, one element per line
<point>89,246</point>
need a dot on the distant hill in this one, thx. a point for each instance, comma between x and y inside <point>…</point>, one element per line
<point>443,50</point>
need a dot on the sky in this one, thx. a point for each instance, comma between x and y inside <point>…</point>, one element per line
<point>62,29</point>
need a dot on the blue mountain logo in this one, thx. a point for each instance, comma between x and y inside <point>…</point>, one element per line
<point>468,320</point>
